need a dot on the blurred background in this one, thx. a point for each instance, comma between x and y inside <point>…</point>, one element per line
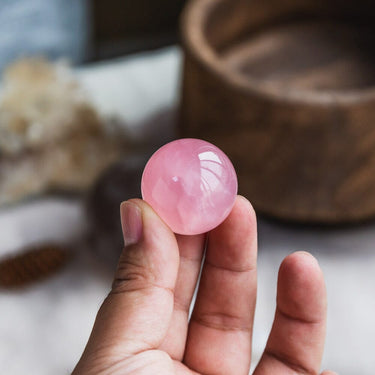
<point>89,89</point>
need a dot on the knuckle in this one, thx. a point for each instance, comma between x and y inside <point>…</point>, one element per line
<point>223,321</point>
<point>131,274</point>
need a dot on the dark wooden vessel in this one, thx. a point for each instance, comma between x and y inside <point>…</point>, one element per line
<point>287,90</point>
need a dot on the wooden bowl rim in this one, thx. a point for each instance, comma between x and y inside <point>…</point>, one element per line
<point>195,42</point>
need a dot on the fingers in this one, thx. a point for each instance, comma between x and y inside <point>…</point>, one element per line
<point>191,250</point>
<point>328,373</point>
<point>136,314</point>
<point>219,337</point>
<point>297,337</point>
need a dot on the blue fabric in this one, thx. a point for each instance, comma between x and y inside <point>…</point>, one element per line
<point>54,28</point>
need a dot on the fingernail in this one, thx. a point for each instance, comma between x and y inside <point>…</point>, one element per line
<point>131,221</point>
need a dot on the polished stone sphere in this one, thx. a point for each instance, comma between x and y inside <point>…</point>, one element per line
<point>191,184</point>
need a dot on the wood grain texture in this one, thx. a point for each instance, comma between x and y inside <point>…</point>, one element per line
<point>287,90</point>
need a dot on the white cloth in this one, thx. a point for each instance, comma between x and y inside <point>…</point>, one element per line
<point>44,329</point>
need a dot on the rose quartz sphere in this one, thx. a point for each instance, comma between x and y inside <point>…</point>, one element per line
<point>191,184</point>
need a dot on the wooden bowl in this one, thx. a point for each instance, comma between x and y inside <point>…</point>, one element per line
<point>287,90</point>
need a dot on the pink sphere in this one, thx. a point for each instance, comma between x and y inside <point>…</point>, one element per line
<point>191,184</point>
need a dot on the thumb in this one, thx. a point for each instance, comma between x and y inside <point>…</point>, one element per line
<point>136,314</point>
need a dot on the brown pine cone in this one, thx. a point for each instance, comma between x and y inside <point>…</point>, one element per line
<point>32,265</point>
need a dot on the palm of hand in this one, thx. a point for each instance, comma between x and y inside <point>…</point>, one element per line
<point>143,327</point>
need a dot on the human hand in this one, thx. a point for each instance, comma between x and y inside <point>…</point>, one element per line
<point>143,325</point>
